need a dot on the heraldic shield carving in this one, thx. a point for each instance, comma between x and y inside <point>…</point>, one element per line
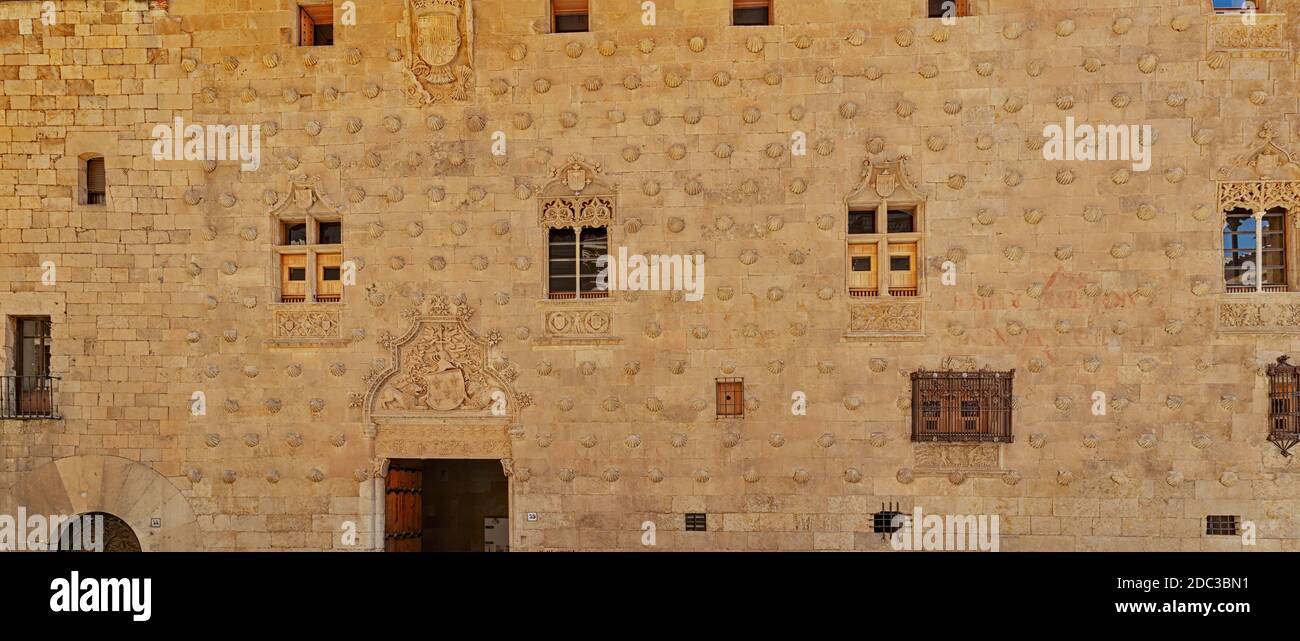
<point>439,49</point>
<point>441,369</point>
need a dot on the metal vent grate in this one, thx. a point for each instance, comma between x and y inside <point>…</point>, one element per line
<point>1221,525</point>
<point>697,522</point>
<point>887,521</point>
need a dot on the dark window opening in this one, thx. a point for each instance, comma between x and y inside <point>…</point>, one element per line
<point>862,264</point>
<point>1221,525</point>
<point>900,263</point>
<point>570,16</point>
<point>887,521</point>
<point>751,13</point>
<point>295,234</point>
<point>901,221</point>
<point>962,406</point>
<point>862,221</point>
<point>697,522</point>
<point>96,183</point>
<point>297,273</point>
<point>573,262</point>
<point>316,25</point>
<point>731,397</point>
<point>330,234</point>
<point>948,8</point>
<point>330,273</point>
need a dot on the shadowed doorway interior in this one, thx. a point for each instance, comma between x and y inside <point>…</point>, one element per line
<point>446,505</point>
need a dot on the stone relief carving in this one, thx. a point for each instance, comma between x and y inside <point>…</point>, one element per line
<point>304,193</point>
<point>1255,317</point>
<point>308,323</point>
<point>577,197</point>
<point>1264,37</point>
<point>578,322</point>
<point>886,317</point>
<point>440,368</point>
<point>954,456</point>
<point>439,43</point>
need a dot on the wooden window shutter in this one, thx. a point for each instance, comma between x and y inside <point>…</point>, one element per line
<point>329,289</point>
<point>306,27</point>
<point>95,182</point>
<point>293,278</point>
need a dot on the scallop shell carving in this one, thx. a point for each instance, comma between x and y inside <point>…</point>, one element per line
<point>905,476</point>
<point>1174,478</point>
<point>956,181</point>
<point>928,71</point>
<point>697,43</point>
<point>985,68</point>
<point>904,37</point>
<point>1148,62</point>
<point>856,37</point>
<point>873,73</point>
<point>905,108</point>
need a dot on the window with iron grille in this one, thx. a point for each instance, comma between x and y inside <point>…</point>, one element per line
<point>961,406</point>
<point>697,522</point>
<point>1284,404</point>
<point>731,397</point>
<point>1221,525</point>
<point>30,391</point>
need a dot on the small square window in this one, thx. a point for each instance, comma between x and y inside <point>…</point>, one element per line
<point>1221,525</point>
<point>751,13</point>
<point>330,234</point>
<point>295,234</point>
<point>329,273</point>
<point>297,273</point>
<point>901,221</point>
<point>900,263</point>
<point>887,522</point>
<point>862,264</point>
<point>316,25</point>
<point>862,221</point>
<point>570,16</point>
<point>697,522</point>
<point>948,8</point>
<point>731,397</point>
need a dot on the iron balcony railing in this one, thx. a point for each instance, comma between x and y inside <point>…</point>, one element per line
<point>29,396</point>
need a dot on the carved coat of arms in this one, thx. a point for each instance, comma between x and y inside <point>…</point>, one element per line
<point>438,44</point>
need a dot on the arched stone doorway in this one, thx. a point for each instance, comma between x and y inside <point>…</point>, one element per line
<point>117,536</point>
<point>158,516</point>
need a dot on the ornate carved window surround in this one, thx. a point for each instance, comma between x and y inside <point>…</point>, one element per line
<point>308,323</point>
<point>576,198</point>
<point>891,312</point>
<point>1265,180</point>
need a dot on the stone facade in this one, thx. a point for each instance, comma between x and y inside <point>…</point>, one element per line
<point>1080,276</point>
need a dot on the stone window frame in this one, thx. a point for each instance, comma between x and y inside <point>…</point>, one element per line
<point>1266,179</point>
<point>880,189</point>
<point>752,4</point>
<point>575,188</point>
<point>302,11</point>
<point>305,192</point>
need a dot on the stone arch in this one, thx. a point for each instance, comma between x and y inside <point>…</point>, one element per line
<point>133,492</point>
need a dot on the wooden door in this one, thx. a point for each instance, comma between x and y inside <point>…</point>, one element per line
<point>404,509</point>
